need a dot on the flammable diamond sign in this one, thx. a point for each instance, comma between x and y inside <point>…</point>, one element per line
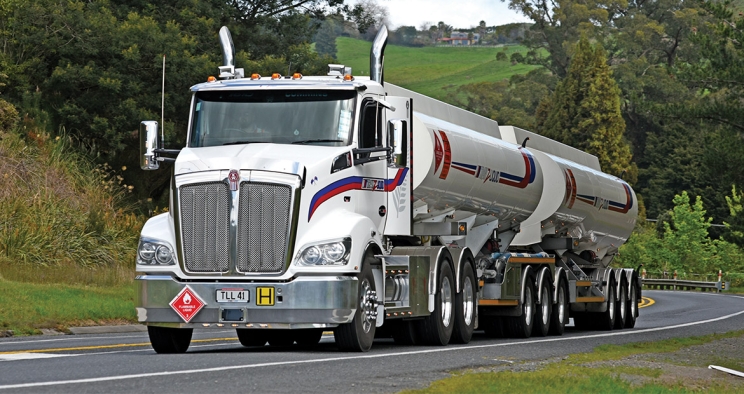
<point>187,304</point>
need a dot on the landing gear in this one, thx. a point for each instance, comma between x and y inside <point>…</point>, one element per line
<point>169,340</point>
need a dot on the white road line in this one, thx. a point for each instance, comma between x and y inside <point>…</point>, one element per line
<point>29,356</point>
<point>357,357</point>
<point>84,337</point>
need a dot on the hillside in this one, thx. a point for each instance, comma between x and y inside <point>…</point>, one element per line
<point>433,71</point>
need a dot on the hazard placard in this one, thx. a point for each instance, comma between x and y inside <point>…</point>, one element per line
<point>187,304</point>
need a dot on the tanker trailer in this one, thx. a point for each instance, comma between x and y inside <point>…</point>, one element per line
<point>304,204</point>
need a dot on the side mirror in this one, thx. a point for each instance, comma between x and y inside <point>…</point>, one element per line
<point>148,136</point>
<point>398,141</point>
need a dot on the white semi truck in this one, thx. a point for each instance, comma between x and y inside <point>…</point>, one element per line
<point>340,203</point>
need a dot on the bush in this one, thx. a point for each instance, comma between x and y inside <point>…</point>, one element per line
<point>8,116</point>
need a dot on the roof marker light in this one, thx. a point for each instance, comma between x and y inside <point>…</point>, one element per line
<point>211,78</point>
<point>348,77</point>
<point>255,76</point>
<point>276,76</point>
<point>296,76</point>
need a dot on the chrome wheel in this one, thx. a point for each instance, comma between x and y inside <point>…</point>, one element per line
<point>368,301</point>
<point>467,301</point>
<point>446,302</point>
<point>545,306</point>
<point>529,307</point>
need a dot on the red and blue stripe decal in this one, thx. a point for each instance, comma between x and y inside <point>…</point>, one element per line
<point>355,183</point>
<point>614,206</point>
<point>502,177</point>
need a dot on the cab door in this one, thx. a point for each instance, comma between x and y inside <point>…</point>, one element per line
<point>399,218</point>
<point>370,161</point>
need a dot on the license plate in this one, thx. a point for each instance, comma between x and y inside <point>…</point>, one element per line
<point>233,295</point>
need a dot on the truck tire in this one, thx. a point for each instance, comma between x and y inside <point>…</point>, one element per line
<point>166,340</point>
<point>621,306</point>
<point>249,337</point>
<point>559,317</point>
<point>543,312</point>
<point>465,306</point>
<point>632,313</point>
<point>606,320</point>
<point>308,337</point>
<point>358,335</point>
<point>521,326</point>
<point>436,329</point>
<point>583,321</point>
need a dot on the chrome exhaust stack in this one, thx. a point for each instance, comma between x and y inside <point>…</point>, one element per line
<point>377,55</point>
<point>228,70</point>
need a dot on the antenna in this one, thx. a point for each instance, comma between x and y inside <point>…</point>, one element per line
<point>289,69</point>
<point>162,108</point>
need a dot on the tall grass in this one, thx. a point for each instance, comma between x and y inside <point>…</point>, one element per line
<point>62,219</point>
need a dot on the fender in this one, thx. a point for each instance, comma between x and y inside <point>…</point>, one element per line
<point>542,276</point>
<point>560,273</point>
<point>527,271</point>
<point>160,227</point>
<point>461,256</point>
<point>435,253</point>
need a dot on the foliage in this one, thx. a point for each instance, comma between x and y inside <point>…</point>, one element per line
<point>584,111</point>
<point>56,209</point>
<point>684,246</point>
<point>735,224</point>
<point>325,40</point>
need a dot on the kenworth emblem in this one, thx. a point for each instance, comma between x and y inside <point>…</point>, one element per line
<point>233,178</point>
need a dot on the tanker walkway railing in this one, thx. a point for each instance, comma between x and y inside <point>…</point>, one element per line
<point>682,284</point>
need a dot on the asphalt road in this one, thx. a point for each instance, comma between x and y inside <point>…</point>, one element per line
<point>216,362</point>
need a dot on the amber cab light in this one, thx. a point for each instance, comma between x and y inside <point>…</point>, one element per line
<point>276,76</point>
<point>211,78</point>
<point>296,76</point>
<point>255,76</point>
<point>348,77</point>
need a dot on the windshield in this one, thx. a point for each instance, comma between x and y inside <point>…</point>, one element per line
<point>320,117</point>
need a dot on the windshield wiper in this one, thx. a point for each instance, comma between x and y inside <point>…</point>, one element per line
<point>246,142</point>
<point>318,140</point>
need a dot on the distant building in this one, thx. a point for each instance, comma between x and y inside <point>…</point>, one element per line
<point>459,38</point>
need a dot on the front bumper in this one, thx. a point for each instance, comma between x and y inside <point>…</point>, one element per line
<point>304,302</point>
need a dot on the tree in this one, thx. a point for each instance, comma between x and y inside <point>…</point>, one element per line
<point>325,41</point>
<point>367,14</point>
<point>584,111</point>
<point>249,11</point>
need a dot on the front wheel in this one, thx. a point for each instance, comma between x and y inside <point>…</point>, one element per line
<point>358,335</point>
<point>167,340</point>
<point>465,306</point>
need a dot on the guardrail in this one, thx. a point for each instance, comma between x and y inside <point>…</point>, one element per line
<point>676,284</point>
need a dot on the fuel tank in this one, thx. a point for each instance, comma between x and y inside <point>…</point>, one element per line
<point>531,191</point>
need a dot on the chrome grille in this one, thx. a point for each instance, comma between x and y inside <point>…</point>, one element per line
<point>205,226</point>
<point>263,226</point>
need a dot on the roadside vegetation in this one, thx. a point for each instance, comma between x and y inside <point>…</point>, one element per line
<point>668,366</point>
<point>67,235</point>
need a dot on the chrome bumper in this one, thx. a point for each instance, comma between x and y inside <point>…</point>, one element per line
<point>305,302</point>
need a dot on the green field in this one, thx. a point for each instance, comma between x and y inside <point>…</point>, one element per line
<point>433,71</point>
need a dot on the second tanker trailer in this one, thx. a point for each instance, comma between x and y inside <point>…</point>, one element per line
<point>339,203</point>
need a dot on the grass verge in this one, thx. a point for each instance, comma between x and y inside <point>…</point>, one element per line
<point>633,368</point>
<point>29,307</point>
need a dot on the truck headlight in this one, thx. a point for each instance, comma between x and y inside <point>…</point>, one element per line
<point>155,252</point>
<point>327,253</point>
